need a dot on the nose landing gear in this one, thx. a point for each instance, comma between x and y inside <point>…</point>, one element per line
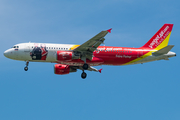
<point>26,68</point>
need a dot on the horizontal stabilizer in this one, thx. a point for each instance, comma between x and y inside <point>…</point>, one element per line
<point>164,50</point>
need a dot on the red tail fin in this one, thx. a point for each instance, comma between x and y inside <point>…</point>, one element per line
<point>161,38</point>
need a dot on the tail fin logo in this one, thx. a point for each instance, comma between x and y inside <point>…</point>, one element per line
<point>160,37</point>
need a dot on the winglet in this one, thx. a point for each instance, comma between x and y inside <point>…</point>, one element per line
<point>100,70</point>
<point>109,30</point>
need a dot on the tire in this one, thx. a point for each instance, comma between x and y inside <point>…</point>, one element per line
<point>83,75</point>
<point>26,68</point>
<point>85,66</point>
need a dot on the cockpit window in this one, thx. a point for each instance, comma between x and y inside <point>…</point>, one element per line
<point>15,47</point>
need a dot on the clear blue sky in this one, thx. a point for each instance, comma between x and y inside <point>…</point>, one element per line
<point>138,92</point>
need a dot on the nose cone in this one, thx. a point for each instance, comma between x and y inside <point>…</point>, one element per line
<point>7,53</point>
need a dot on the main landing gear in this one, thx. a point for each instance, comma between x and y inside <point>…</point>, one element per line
<point>26,68</point>
<point>85,67</point>
<point>83,75</point>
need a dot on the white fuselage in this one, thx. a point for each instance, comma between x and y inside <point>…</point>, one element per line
<point>22,53</point>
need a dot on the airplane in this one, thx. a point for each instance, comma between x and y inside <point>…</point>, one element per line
<point>69,58</point>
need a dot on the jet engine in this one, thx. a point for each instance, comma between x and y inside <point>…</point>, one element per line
<point>61,69</point>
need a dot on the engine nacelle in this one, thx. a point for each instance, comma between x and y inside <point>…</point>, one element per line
<point>63,69</point>
<point>66,55</point>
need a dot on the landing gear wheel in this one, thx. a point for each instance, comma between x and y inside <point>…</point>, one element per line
<point>26,68</point>
<point>85,66</point>
<point>83,75</point>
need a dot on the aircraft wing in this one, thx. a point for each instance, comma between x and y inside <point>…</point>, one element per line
<point>90,68</point>
<point>94,69</point>
<point>87,48</point>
